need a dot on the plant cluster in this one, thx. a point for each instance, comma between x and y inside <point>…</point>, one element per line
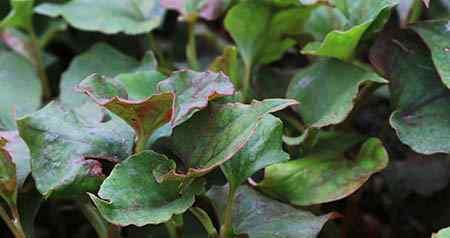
<point>246,117</point>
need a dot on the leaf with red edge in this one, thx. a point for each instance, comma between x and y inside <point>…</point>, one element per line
<point>144,116</point>
<point>193,91</point>
<point>216,134</point>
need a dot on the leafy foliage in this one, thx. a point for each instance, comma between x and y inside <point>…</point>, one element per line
<point>224,119</point>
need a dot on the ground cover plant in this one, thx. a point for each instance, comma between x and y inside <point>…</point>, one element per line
<point>224,118</point>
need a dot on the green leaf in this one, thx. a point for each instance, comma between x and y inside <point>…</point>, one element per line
<point>8,185</point>
<point>19,153</point>
<point>93,61</point>
<point>193,91</point>
<point>326,97</point>
<point>108,16</point>
<point>20,92</point>
<point>131,195</point>
<point>66,150</point>
<point>360,15</point>
<point>261,217</point>
<point>422,117</point>
<point>144,116</point>
<point>436,35</point>
<point>20,15</point>
<point>263,149</point>
<point>324,175</point>
<point>259,31</point>
<point>443,233</point>
<point>221,131</point>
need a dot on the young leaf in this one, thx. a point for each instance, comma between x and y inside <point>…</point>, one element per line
<point>144,116</point>
<point>341,43</point>
<point>220,132</point>
<point>443,233</point>
<point>422,118</point>
<point>130,17</point>
<point>324,175</point>
<point>19,153</point>
<point>263,149</point>
<point>131,195</point>
<point>65,149</point>
<point>326,91</point>
<point>259,31</point>
<point>436,35</point>
<point>208,10</point>
<point>261,217</point>
<point>93,61</point>
<point>193,91</point>
<point>20,90</point>
<point>20,15</point>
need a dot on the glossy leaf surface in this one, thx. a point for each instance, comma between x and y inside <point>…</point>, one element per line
<point>108,16</point>
<point>131,195</point>
<point>326,91</point>
<point>65,149</point>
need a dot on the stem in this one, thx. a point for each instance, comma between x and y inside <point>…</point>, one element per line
<point>173,228</point>
<point>140,144</point>
<point>246,84</point>
<point>205,220</point>
<point>297,124</point>
<point>154,46</point>
<point>191,49</point>
<point>36,53</point>
<point>13,224</point>
<point>101,227</point>
<point>226,231</point>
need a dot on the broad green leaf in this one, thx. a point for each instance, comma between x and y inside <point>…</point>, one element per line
<point>193,91</point>
<point>140,85</point>
<point>145,116</point>
<point>19,153</point>
<point>20,90</point>
<point>261,217</point>
<point>324,175</point>
<point>326,91</point>
<point>342,42</point>
<point>101,59</point>
<point>422,117</point>
<point>220,131</point>
<point>65,150</point>
<point>20,15</point>
<point>206,9</point>
<point>263,149</point>
<point>260,31</point>
<point>436,35</point>
<point>108,16</point>
<point>131,195</point>
<point>443,233</point>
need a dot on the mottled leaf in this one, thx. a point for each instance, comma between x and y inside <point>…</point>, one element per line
<point>422,117</point>
<point>144,116</point>
<point>324,175</point>
<point>326,91</point>
<point>131,195</point>
<point>263,149</point>
<point>260,32</point>
<point>206,9</point>
<point>436,35</point>
<point>65,149</point>
<point>341,43</point>
<point>193,90</point>
<point>20,90</point>
<point>108,16</point>
<point>19,153</point>
<point>261,217</point>
<point>101,59</point>
<point>8,185</point>
<point>221,131</point>
<point>20,15</point>
<point>443,233</point>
